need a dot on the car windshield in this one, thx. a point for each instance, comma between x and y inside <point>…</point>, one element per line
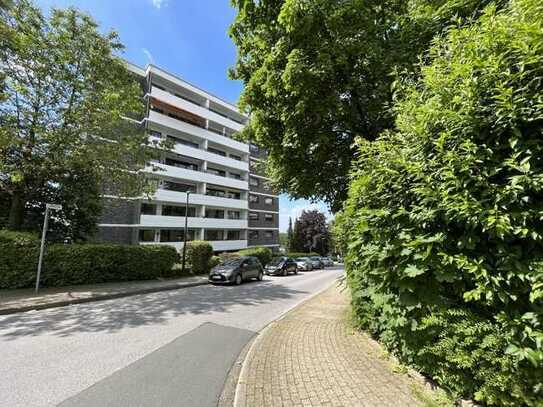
<point>277,261</point>
<point>231,263</point>
<point>315,258</point>
<point>301,259</point>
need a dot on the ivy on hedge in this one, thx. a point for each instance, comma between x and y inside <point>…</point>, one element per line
<point>80,263</point>
<point>444,216</point>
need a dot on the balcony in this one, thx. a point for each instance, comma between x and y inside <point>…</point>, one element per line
<point>194,109</point>
<point>164,195</point>
<point>157,221</point>
<point>218,245</point>
<point>179,125</point>
<point>210,157</point>
<point>197,176</point>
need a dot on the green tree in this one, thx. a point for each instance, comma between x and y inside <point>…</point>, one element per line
<point>64,132</point>
<point>290,234</point>
<point>310,233</point>
<point>319,73</point>
<point>445,247</point>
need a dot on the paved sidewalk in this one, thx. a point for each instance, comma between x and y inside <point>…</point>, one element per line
<point>21,300</point>
<point>311,358</point>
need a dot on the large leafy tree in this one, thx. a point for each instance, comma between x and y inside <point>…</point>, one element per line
<point>445,239</point>
<point>318,73</point>
<point>310,233</point>
<point>64,131</point>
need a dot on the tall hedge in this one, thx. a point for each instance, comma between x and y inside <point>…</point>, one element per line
<point>79,264</point>
<point>264,254</point>
<point>444,216</point>
<point>199,254</point>
<point>19,254</point>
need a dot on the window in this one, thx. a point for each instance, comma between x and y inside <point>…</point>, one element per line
<point>147,235</point>
<point>215,213</point>
<point>158,86</point>
<point>178,187</point>
<point>268,234</point>
<point>268,217</point>
<point>176,140</point>
<point>235,175</point>
<point>215,192</point>
<point>170,210</point>
<point>268,201</point>
<point>214,235</point>
<point>254,198</point>
<point>215,171</point>
<point>175,235</point>
<point>254,148</point>
<point>235,157</point>
<point>253,234</point>
<point>156,134</point>
<point>253,216</point>
<point>234,215</point>
<point>182,164</point>
<point>254,182</point>
<point>233,195</point>
<point>216,151</point>
<point>148,209</point>
<point>233,235</point>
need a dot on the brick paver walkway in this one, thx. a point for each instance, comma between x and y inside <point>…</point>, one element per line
<point>311,358</point>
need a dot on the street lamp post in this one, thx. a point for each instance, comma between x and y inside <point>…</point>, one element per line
<point>48,208</point>
<point>185,233</point>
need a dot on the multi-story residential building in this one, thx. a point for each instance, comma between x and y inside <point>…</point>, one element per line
<point>230,203</point>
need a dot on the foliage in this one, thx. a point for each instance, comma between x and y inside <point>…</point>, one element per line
<point>63,127</point>
<point>295,255</point>
<point>199,255</point>
<point>290,234</point>
<point>310,233</point>
<point>215,261</point>
<point>319,73</point>
<point>283,239</point>
<point>264,254</point>
<point>18,259</point>
<point>445,248</point>
<point>79,264</point>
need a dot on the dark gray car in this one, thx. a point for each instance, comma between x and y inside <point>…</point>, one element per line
<point>237,270</point>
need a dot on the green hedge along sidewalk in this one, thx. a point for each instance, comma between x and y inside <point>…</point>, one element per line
<point>21,300</point>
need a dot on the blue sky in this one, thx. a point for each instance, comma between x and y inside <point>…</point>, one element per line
<point>185,37</point>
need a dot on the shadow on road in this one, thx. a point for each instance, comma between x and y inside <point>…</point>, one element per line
<point>114,315</point>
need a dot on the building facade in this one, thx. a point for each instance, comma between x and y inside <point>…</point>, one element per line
<point>230,203</point>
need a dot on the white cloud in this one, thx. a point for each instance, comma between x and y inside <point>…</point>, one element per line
<point>148,55</point>
<point>159,3</point>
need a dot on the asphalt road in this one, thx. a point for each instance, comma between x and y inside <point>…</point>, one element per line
<point>171,348</point>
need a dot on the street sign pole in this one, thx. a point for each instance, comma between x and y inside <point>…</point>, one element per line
<point>48,207</point>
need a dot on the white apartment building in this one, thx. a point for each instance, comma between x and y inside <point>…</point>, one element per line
<point>206,163</point>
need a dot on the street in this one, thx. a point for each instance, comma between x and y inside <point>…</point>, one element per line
<point>161,349</point>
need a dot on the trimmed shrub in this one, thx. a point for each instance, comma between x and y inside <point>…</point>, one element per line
<point>19,254</point>
<point>199,254</point>
<point>80,263</point>
<point>264,254</point>
<point>215,260</point>
<point>445,249</point>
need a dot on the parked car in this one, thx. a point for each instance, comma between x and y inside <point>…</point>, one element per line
<point>316,262</point>
<point>282,266</point>
<point>304,263</point>
<point>327,261</point>
<point>237,270</point>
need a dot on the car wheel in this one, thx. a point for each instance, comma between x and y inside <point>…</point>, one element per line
<point>285,272</point>
<point>260,276</point>
<point>296,270</point>
<point>238,279</point>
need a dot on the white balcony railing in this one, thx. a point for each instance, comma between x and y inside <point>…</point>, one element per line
<point>179,125</point>
<point>211,157</point>
<point>197,176</point>
<point>194,109</point>
<point>158,221</point>
<point>164,195</point>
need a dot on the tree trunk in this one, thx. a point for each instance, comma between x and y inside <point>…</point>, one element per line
<point>16,212</point>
